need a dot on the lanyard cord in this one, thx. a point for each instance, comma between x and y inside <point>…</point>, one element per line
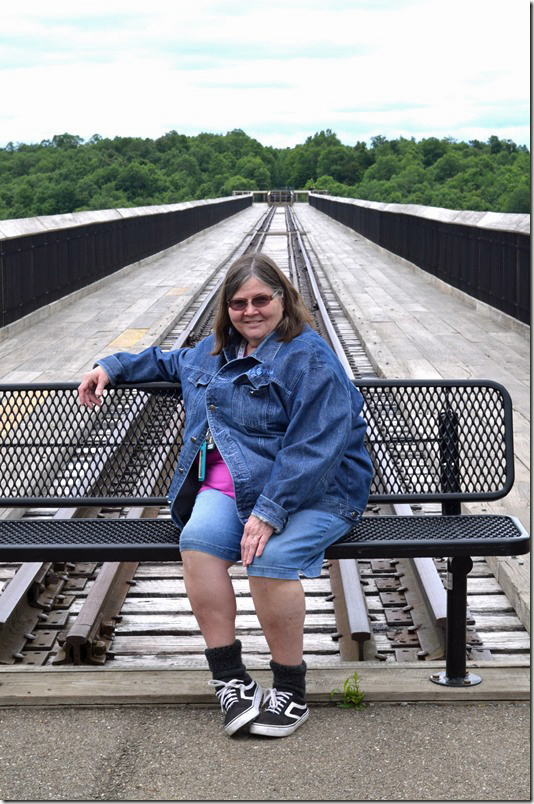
<point>209,444</point>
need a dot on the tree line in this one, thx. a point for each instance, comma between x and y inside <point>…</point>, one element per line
<point>66,174</point>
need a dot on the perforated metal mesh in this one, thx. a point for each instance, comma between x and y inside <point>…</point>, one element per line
<point>427,441</point>
<point>145,539</point>
<point>52,448</point>
<point>89,532</point>
<point>433,536</point>
<point>89,540</point>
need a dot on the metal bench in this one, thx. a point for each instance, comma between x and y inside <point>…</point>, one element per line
<point>447,442</point>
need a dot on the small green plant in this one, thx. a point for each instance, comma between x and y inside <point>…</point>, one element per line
<point>352,696</point>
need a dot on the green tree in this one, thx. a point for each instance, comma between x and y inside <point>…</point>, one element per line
<point>64,174</point>
<point>252,167</point>
<point>140,181</point>
<point>446,166</point>
<point>518,199</point>
<point>66,141</point>
<point>340,162</point>
<point>237,183</point>
<point>384,168</point>
<point>433,149</point>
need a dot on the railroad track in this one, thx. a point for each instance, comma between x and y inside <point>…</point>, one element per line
<point>373,610</point>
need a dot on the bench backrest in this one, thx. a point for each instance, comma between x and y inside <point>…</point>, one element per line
<point>429,441</point>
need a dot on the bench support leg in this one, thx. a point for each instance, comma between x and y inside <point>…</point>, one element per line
<point>456,674</point>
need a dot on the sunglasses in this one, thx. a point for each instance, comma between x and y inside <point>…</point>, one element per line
<point>257,301</point>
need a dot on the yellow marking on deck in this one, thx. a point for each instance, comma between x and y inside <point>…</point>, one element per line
<point>14,411</point>
<point>176,291</point>
<point>128,338</point>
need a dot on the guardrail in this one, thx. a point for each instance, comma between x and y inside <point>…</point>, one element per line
<point>44,259</point>
<point>485,255</point>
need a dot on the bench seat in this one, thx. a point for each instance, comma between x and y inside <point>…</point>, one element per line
<point>157,539</point>
<point>445,442</point>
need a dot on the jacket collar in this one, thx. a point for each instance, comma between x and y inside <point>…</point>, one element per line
<point>265,352</point>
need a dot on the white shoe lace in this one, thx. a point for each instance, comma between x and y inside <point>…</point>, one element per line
<point>275,701</point>
<point>226,692</point>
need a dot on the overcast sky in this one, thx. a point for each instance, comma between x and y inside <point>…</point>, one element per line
<point>280,70</point>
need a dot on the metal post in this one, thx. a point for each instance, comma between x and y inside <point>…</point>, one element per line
<point>456,674</point>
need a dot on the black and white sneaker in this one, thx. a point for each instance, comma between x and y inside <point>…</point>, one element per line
<point>282,715</point>
<point>240,702</point>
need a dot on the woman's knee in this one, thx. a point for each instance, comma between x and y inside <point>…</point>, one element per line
<point>205,564</point>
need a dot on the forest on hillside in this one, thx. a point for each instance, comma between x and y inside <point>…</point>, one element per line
<point>66,174</point>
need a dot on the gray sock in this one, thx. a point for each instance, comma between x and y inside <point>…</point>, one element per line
<point>290,678</point>
<point>225,662</point>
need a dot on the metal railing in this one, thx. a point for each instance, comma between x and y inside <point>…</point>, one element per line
<point>491,265</point>
<point>41,267</point>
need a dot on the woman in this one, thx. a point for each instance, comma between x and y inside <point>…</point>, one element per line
<point>273,470</point>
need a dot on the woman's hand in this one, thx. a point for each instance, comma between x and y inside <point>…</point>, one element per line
<point>255,536</point>
<point>91,387</point>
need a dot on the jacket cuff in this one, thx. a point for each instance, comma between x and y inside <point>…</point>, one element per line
<point>111,366</point>
<point>271,513</point>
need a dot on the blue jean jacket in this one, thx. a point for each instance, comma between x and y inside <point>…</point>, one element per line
<point>286,420</point>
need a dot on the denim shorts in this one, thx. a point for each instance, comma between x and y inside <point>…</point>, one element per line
<point>215,528</point>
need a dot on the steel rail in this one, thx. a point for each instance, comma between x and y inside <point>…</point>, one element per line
<point>424,571</point>
<point>34,589</point>
<point>350,605</point>
<point>201,314</point>
<point>89,638</point>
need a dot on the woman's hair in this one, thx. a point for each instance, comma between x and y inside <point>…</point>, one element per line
<point>258,265</point>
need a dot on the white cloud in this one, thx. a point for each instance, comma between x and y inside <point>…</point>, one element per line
<point>397,67</point>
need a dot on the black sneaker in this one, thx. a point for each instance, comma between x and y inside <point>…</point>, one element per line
<point>283,714</point>
<point>240,702</point>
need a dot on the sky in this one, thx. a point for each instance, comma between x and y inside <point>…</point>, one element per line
<point>280,70</point>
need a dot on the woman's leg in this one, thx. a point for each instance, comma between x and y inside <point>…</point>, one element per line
<point>274,578</point>
<point>281,609</point>
<point>211,594</point>
<point>280,606</point>
<point>210,545</point>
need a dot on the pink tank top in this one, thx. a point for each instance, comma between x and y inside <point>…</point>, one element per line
<point>218,475</point>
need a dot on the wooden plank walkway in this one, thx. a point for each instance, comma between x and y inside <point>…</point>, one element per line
<point>416,326</point>
<point>129,310</point>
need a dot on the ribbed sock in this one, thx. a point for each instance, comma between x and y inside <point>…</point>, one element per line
<point>225,662</point>
<point>290,678</point>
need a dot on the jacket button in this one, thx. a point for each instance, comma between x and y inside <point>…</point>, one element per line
<point>252,393</point>
<point>212,407</point>
<point>181,470</point>
<point>193,439</point>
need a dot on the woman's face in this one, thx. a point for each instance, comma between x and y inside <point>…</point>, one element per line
<point>255,323</point>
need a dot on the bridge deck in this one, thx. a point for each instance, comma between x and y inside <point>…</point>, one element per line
<point>413,327</point>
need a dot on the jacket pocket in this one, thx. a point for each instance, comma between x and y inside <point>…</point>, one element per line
<point>194,391</point>
<point>256,404</point>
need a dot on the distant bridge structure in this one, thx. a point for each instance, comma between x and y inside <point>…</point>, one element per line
<point>276,196</point>
<point>485,255</point>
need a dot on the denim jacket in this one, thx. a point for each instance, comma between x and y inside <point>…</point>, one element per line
<point>286,420</point>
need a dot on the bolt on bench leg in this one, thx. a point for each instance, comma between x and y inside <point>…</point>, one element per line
<point>456,674</point>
